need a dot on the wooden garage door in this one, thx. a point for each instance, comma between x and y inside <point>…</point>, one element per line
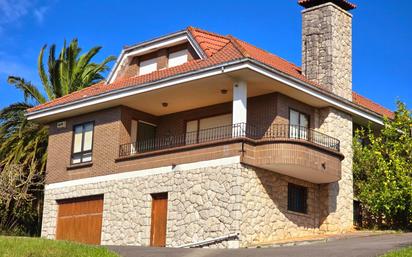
<point>80,219</point>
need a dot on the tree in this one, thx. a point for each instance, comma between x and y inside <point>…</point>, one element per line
<point>383,171</point>
<point>23,143</point>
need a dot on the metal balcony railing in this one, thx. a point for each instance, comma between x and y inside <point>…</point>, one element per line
<point>241,130</point>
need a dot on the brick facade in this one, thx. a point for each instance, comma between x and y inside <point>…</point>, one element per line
<point>106,141</point>
<point>112,129</point>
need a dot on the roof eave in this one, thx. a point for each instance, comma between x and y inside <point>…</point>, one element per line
<point>131,88</point>
<point>320,91</point>
<point>317,92</point>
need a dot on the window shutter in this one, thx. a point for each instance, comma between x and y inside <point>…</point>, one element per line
<point>177,58</point>
<point>88,137</point>
<point>78,139</point>
<point>148,66</point>
<point>191,132</point>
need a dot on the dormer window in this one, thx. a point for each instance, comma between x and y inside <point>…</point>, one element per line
<point>177,58</point>
<point>161,53</point>
<point>148,66</point>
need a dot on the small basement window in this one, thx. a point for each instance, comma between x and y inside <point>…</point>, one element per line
<point>297,198</point>
<point>148,66</point>
<point>177,58</point>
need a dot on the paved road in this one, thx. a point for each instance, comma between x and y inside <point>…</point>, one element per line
<point>371,246</point>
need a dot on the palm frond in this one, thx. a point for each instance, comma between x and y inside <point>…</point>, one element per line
<point>30,92</point>
<point>43,76</point>
<point>54,74</point>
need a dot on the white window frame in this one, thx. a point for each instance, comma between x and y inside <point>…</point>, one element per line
<point>197,130</point>
<point>147,66</point>
<point>178,58</point>
<point>298,130</point>
<point>82,154</point>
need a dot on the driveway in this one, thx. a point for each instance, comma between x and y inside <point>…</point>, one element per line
<point>370,246</point>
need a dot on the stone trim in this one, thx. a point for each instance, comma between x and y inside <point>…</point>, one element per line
<point>327,4</point>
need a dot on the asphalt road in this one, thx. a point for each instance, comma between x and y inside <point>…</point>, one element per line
<point>370,246</point>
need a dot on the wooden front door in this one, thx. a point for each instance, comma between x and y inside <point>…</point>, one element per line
<point>80,219</point>
<point>159,220</point>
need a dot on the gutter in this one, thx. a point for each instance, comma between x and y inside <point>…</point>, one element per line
<point>116,64</point>
<point>156,39</point>
<point>320,91</point>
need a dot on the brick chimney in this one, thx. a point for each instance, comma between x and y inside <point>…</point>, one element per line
<point>327,44</point>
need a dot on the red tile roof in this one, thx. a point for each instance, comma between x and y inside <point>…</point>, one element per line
<point>210,43</point>
<point>369,104</point>
<point>219,49</point>
<point>344,4</point>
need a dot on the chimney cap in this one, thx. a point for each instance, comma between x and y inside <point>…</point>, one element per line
<point>344,4</point>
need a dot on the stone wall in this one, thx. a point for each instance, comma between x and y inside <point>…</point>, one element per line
<point>265,216</point>
<point>339,195</point>
<point>202,203</point>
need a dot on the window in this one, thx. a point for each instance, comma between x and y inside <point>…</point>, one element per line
<point>298,124</point>
<point>146,134</point>
<point>143,136</point>
<point>297,198</point>
<point>177,58</point>
<point>148,66</point>
<point>209,129</point>
<point>82,143</point>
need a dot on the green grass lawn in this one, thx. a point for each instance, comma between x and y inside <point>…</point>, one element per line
<point>37,247</point>
<point>406,252</point>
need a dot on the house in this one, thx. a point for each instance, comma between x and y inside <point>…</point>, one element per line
<point>199,138</point>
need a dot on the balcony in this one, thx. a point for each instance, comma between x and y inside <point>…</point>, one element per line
<point>226,133</point>
<point>287,149</point>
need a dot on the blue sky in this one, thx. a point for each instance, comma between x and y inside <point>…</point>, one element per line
<point>382,34</point>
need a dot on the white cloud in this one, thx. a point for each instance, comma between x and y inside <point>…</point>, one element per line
<point>12,11</point>
<point>39,13</point>
<point>13,67</point>
<point>8,67</point>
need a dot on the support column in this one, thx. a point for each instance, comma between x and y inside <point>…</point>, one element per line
<point>239,115</point>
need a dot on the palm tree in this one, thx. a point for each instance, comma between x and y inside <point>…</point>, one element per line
<point>23,142</point>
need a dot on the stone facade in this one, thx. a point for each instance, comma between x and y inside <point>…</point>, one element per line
<point>339,215</point>
<point>202,203</point>
<point>265,216</point>
<point>327,48</point>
